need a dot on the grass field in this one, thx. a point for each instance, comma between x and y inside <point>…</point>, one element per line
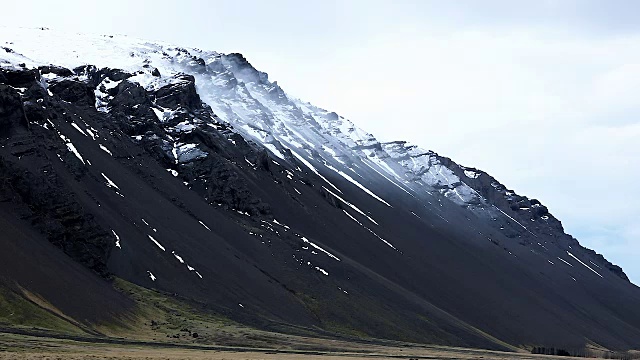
<point>20,346</point>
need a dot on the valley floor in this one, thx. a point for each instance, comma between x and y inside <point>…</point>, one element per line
<point>19,346</point>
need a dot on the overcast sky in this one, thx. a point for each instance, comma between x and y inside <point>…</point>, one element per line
<point>544,95</point>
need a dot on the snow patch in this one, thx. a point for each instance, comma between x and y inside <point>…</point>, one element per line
<point>117,239</point>
<point>104,148</point>
<point>564,261</point>
<point>369,230</point>
<point>471,174</point>
<point>178,257</point>
<point>516,221</point>
<point>319,248</point>
<point>351,206</point>
<point>580,261</point>
<point>109,182</point>
<point>156,242</point>
<point>312,168</point>
<point>78,128</point>
<point>203,224</point>
<point>73,149</point>
<point>356,183</point>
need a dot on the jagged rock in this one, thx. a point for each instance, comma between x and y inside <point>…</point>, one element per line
<point>12,116</point>
<point>34,112</point>
<point>114,74</point>
<point>129,97</point>
<point>227,187</point>
<point>53,210</point>
<point>59,71</point>
<point>245,71</point>
<point>20,79</point>
<point>181,93</point>
<point>73,92</point>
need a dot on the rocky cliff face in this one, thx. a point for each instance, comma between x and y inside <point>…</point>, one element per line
<point>191,172</point>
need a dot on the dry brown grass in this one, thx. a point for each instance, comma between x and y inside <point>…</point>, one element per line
<point>41,348</point>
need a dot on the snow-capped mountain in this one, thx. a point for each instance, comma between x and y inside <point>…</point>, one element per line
<point>191,172</point>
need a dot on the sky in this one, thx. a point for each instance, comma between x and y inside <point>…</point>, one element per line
<point>543,95</point>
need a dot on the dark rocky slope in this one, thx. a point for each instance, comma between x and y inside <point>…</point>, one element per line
<point>150,186</point>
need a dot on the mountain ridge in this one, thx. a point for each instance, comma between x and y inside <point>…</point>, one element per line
<point>266,204</point>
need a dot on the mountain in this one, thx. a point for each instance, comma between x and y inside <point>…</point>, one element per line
<point>190,173</point>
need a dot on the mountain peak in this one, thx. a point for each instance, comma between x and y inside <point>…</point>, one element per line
<point>188,171</point>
